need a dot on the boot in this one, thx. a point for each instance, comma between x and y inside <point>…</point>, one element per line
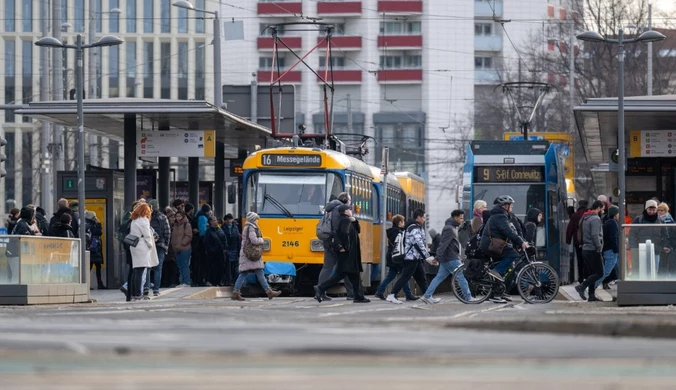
<point>272,293</point>
<point>236,296</point>
<point>101,285</point>
<point>594,298</point>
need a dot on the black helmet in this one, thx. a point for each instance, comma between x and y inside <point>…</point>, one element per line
<point>503,200</point>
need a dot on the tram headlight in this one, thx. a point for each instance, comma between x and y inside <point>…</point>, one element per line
<point>266,244</point>
<point>316,246</point>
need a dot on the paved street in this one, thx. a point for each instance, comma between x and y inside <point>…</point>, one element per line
<point>296,343</point>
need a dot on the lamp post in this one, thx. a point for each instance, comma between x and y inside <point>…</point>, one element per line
<point>648,36</point>
<point>218,87</point>
<point>108,40</point>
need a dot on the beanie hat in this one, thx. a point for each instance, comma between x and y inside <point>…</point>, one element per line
<point>90,214</point>
<point>154,204</point>
<point>650,203</point>
<point>613,211</point>
<point>602,198</point>
<point>251,217</point>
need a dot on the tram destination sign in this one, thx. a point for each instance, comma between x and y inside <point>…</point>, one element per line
<point>291,160</point>
<point>502,174</point>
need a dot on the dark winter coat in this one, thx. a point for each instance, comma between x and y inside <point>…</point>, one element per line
<point>611,236</point>
<point>96,230</point>
<point>392,234</point>
<point>63,230</point>
<point>347,239</point>
<point>592,232</point>
<point>500,226</point>
<point>234,240</point>
<point>573,226</point>
<point>56,219</point>
<point>160,224</point>
<point>11,223</point>
<point>215,242</point>
<point>658,236</point>
<point>449,245</point>
<point>531,225</point>
<point>41,219</point>
<point>436,239</point>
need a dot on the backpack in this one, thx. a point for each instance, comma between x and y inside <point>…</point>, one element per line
<point>398,254</point>
<point>474,269</point>
<point>324,228</point>
<point>578,234</point>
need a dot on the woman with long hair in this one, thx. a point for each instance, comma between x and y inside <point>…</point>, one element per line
<point>251,235</point>
<point>144,254</point>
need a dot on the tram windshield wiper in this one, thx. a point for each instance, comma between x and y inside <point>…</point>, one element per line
<point>280,206</point>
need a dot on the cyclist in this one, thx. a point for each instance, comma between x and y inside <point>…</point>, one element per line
<point>500,227</point>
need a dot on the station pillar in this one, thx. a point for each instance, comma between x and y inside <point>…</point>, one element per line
<point>219,193</point>
<point>194,182</point>
<point>129,160</point>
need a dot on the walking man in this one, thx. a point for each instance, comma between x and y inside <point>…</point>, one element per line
<point>592,246</point>
<point>448,256</point>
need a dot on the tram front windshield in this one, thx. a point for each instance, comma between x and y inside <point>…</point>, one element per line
<point>526,196</point>
<point>297,193</point>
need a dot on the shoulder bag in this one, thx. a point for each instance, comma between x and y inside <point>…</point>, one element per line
<point>496,245</point>
<point>252,251</point>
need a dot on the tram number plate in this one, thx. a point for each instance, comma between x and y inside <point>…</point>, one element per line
<point>286,244</point>
<point>291,160</point>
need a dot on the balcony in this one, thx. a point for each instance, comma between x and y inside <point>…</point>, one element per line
<point>280,8</point>
<point>482,8</point>
<point>343,42</point>
<point>407,7</point>
<point>488,42</point>
<point>293,77</point>
<point>400,41</point>
<point>268,43</point>
<point>400,76</point>
<point>339,8</point>
<point>343,75</point>
<point>486,76</point>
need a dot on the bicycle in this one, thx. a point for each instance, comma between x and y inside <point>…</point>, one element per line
<point>536,281</point>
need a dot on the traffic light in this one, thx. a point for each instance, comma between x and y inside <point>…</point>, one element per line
<point>3,156</point>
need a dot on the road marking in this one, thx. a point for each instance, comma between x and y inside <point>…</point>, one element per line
<point>360,311</point>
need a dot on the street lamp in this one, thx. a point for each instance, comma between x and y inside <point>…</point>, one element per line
<point>108,40</point>
<point>218,88</point>
<point>648,36</point>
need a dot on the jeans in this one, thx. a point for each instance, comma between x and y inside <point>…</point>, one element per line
<point>610,261</point>
<point>157,270</point>
<point>445,270</point>
<point>183,263</point>
<point>136,284</point>
<point>260,275</point>
<point>412,268</point>
<point>502,266</point>
<point>392,272</point>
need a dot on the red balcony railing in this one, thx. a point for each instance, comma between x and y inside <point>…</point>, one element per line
<point>400,6</point>
<point>268,43</point>
<point>282,8</point>
<point>394,41</point>
<point>343,42</point>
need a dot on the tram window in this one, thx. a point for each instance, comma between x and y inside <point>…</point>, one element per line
<point>553,219</point>
<point>335,186</point>
<point>251,194</point>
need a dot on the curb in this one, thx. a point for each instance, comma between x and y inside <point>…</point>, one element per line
<point>595,327</point>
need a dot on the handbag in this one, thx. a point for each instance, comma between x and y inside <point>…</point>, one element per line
<point>131,240</point>
<point>496,245</point>
<point>252,251</point>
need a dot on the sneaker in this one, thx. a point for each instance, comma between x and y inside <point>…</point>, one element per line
<point>412,298</point>
<point>146,298</point>
<point>363,300</point>
<point>497,300</point>
<point>473,299</point>
<point>430,300</point>
<point>156,293</point>
<point>379,296</point>
<point>392,299</point>
<point>506,297</point>
<point>326,297</point>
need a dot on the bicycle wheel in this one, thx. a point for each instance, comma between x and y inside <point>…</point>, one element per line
<point>537,283</point>
<point>480,289</point>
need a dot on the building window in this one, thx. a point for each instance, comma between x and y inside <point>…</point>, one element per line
<point>10,15</point>
<point>400,28</point>
<point>182,20</point>
<point>483,63</point>
<point>199,22</point>
<point>10,167</point>
<point>10,78</point>
<point>27,16</point>
<point>148,63</point>
<point>79,15</point>
<point>183,70</point>
<point>131,16</point>
<point>99,72</point>
<point>337,62</point>
<point>64,11</point>
<point>113,18</point>
<point>406,142</point>
<point>27,75</point>
<point>165,25</point>
<point>165,67</point>
<point>148,16</point>
<point>267,32</point>
<point>199,70</point>
<point>483,29</point>
<point>401,62</point>
<point>130,68</point>
<point>266,63</point>
<point>27,167</point>
<point>114,71</point>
